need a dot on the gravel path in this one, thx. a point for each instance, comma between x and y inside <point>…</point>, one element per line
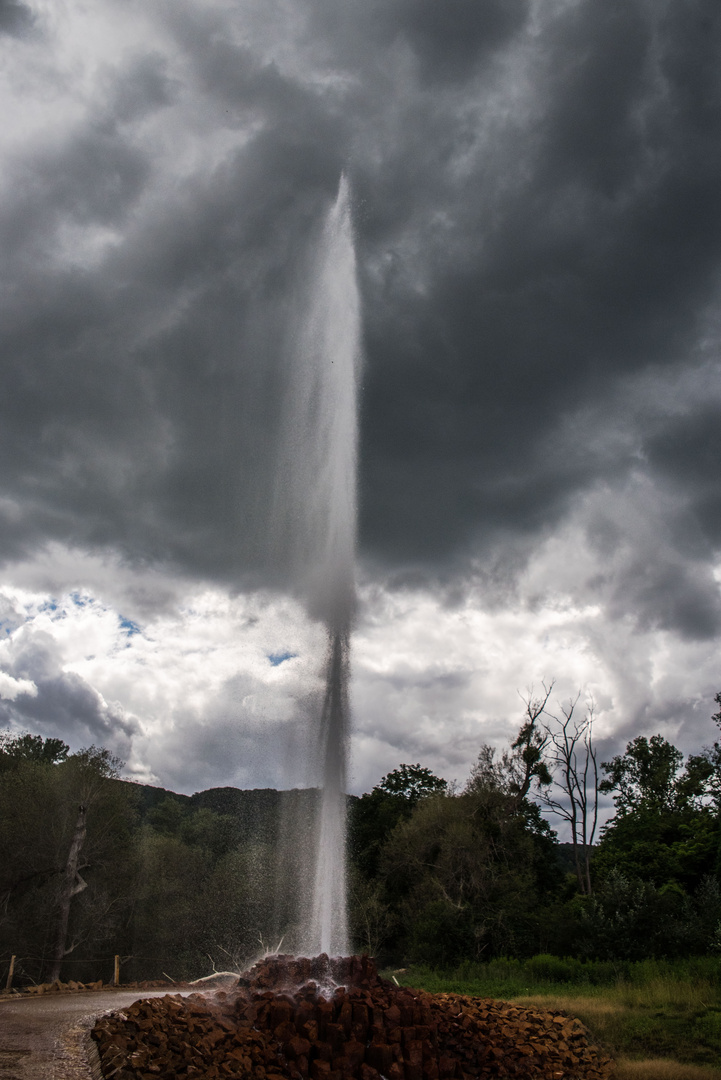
<point>48,1037</point>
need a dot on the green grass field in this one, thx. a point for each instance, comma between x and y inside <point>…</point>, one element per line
<point>657,1019</point>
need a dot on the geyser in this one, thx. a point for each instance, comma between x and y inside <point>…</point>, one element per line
<point>317,502</point>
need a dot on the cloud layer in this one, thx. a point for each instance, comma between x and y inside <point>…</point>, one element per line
<point>538,232</point>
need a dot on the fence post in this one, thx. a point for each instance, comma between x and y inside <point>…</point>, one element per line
<point>9,983</point>
<point>116,973</point>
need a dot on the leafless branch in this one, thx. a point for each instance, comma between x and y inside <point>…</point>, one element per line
<point>572,758</point>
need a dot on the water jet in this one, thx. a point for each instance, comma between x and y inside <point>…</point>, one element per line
<point>316,511</point>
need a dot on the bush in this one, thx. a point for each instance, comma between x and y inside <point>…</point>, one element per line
<point>441,933</point>
<point>553,968</point>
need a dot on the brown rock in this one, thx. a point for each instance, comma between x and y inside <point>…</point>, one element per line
<point>270,1028</point>
<point>379,1057</point>
<point>297,1047</point>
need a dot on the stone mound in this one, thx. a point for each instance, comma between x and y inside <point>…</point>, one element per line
<point>335,1019</point>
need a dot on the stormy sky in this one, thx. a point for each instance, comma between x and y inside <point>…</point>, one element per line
<point>537,212</point>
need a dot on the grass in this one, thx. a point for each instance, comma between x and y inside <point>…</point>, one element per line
<point>657,1019</point>
<point>662,1069</point>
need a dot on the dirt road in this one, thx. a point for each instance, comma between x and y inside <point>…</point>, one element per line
<point>47,1038</point>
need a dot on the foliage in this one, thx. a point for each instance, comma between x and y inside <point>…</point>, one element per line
<point>412,782</point>
<point>182,884</point>
<point>662,848</point>
<point>462,873</point>
<point>524,766</point>
<point>42,787</point>
<point>372,923</point>
<point>645,777</point>
<point>373,817</point>
<point>27,747</point>
<point>629,919</point>
<point>666,827</point>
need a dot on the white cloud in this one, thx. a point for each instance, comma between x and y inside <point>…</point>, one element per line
<point>205,661</point>
<point>11,688</point>
<point>434,681</point>
<point>194,699</point>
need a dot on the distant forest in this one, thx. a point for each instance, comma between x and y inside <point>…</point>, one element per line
<point>92,865</point>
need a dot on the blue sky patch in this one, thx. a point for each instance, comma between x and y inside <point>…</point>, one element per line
<point>277,658</point>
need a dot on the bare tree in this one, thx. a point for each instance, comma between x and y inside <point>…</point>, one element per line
<point>572,757</point>
<point>88,773</point>
<point>72,884</point>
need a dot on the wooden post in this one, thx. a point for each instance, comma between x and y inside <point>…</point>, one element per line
<point>9,983</point>
<point>116,973</point>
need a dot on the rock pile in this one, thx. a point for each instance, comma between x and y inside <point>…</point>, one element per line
<point>321,1019</point>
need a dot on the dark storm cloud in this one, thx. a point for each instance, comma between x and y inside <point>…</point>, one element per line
<point>687,454</point>
<point>133,429</point>
<point>450,40</point>
<point>15,18</point>
<point>595,262</point>
<point>669,595</point>
<point>537,217</point>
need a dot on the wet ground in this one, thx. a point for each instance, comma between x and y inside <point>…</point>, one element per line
<point>48,1037</point>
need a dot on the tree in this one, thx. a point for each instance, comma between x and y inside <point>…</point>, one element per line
<point>412,782</point>
<point>527,763</point>
<point>630,919</point>
<point>371,919</point>
<point>462,876</point>
<point>572,757</point>
<point>93,767</point>
<point>665,830</point>
<point>644,777</point>
<point>372,818</point>
<point>173,917</point>
<point>517,771</point>
<point>64,874</point>
<point>27,747</point>
<point>716,717</point>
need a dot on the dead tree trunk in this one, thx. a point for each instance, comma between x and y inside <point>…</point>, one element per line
<point>573,758</point>
<point>71,886</point>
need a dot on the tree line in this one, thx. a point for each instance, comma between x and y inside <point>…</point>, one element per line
<point>92,865</point>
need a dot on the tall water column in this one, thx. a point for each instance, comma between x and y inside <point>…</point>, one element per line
<point>320,509</point>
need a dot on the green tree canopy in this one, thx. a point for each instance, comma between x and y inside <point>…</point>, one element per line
<point>464,876</point>
<point>412,782</point>
<point>373,817</point>
<point>27,747</point>
<point>645,776</point>
<point>665,830</point>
